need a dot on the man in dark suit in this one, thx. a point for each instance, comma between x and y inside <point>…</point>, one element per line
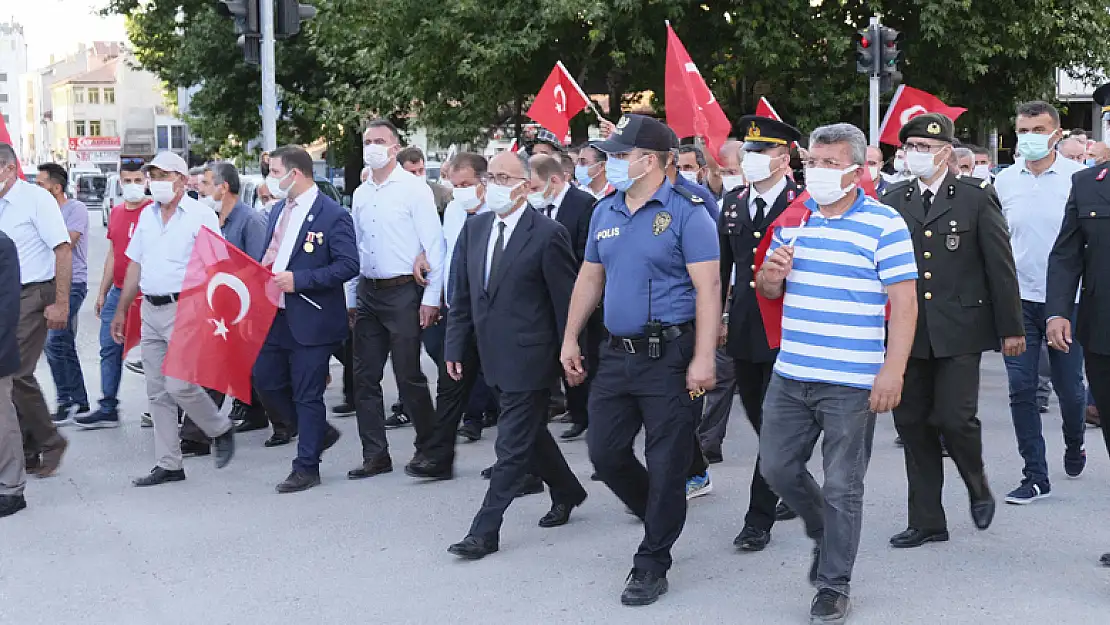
<point>552,195</point>
<point>513,273</point>
<point>968,303</point>
<point>312,254</point>
<point>12,473</point>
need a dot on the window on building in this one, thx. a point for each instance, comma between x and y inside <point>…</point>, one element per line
<point>177,134</point>
<point>3,78</point>
<point>3,97</point>
<point>6,120</point>
<point>94,95</point>
<point>94,128</point>
<point>109,128</point>
<point>79,129</point>
<point>109,95</point>
<point>163,138</point>
<point>79,96</point>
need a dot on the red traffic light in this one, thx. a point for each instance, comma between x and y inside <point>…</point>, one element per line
<point>864,42</point>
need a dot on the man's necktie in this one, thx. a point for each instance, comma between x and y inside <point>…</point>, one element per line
<point>927,200</point>
<point>550,208</point>
<point>760,204</point>
<point>498,249</point>
<point>279,234</point>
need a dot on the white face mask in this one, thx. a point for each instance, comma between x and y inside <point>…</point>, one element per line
<point>273,183</point>
<point>823,184</point>
<point>756,166</point>
<point>499,198</point>
<point>690,176</point>
<point>162,191</point>
<point>899,165</point>
<point>445,183</point>
<point>921,164</point>
<point>467,197</point>
<point>538,199</point>
<point>982,171</point>
<point>375,156</point>
<point>210,202</point>
<point>133,192</point>
<point>874,171</point>
<point>731,182</point>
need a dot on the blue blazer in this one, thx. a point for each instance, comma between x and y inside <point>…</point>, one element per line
<point>319,274</point>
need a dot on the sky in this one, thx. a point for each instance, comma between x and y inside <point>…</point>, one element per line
<point>57,26</point>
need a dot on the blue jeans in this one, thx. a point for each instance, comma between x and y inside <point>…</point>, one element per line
<point>61,354</point>
<point>1067,381</point>
<point>111,354</point>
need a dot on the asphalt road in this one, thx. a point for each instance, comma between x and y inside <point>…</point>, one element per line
<point>222,547</point>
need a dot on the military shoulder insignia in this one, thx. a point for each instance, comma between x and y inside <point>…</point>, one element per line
<point>688,194</point>
<point>661,222</point>
<point>951,190</point>
<point>1101,175</point>
<point>983,185</point>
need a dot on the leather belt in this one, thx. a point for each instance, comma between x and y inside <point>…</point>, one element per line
<point>639,344</point>
<point>162,300</point>
<point>31,285</point>
<point>388,283</point>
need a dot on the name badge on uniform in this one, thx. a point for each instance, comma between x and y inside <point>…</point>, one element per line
<point>952,242</point>
<point>661,222</point>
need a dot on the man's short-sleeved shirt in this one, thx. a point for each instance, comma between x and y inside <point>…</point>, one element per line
<point>708,201</point>
<point>76,216</point>
<point>834,311</point>
<point>647,251</point>
<point>163,248</point>
<point>121,227</point>
<point>30,216</point>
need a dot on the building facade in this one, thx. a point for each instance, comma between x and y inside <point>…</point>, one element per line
<point>13,64</point>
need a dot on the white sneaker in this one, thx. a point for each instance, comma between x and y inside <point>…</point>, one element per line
<point>698,486</point>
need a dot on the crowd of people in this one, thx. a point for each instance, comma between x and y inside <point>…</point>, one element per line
<point>634,283</point>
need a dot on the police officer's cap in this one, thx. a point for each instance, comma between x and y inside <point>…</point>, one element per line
<point>929,126</point>
<point>638,131</point>
<point>761,133</point>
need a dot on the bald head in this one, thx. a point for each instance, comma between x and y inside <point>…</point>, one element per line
<point>511,163</point>
<point>1100,152</point>
<point>1074,149</point>
<point>731,154</point>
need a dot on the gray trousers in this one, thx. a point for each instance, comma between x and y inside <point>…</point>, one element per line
<point>794,415</point>
<point>718,404</point>
<point>12,474</point>
<point>165,394</point>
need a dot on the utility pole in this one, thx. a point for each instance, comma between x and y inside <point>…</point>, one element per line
<point>269,83</point>
<point>873,99</point>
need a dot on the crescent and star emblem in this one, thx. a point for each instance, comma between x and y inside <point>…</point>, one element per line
<point>560,99</point>
<point>912,112</point>
<point>235,284</point>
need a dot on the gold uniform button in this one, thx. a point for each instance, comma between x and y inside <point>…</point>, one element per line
<point>1094,214</point>
<point>928,255</point>
<point>755,250</point>
<point>928,295</point>
<point>928,233</point>
<point>757,234</point>
<point>753,267</point>
<point>928,275</point>
<point>752,284</point>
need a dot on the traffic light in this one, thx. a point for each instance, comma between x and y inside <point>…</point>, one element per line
<point>888,51</point>
<point>245,15</point>
<point>288,17</point>
<point>866,57</point>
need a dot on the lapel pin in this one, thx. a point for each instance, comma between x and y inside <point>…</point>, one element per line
<point>1101,175</point>
<point>309,218</point>
<point>308,247</point>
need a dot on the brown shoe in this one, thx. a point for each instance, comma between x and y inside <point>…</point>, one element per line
<point>52,457</point>
<point>370,468</point>
<point>1092,417</point>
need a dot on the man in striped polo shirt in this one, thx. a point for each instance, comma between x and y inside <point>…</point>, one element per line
<point>837,272</point>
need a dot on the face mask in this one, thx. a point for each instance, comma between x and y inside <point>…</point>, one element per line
<point>210,202</point>
<point>731,182</point>
<point>446,184</point>
<point>899,165</point>
<point>690,176</point>
<point>1090,162</point>
<point>921,164</point>
<point>274,185</point>
<point>981,171</point>
<point>874,172</point>
<point>1033,146</point>
<point>162,191</point>
<point>538,199</point>
<point>499,198</point>
<point>133,192</point>
<point>616,170</point>
<point>823,184</point>
<point>756,166</point>
<point>467,197</point>
<point>582,175</point>
<point>375,156</point>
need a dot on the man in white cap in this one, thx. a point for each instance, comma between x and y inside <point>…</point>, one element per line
<point>159,253</point>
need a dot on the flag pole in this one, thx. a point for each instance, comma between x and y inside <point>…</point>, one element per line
<point>589,102</point>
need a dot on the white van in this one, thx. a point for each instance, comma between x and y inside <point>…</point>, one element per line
<point>113,196</point>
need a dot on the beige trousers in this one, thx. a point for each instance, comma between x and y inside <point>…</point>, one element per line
<point>12,475</point>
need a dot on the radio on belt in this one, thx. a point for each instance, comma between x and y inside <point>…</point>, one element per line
<point>654,332</point>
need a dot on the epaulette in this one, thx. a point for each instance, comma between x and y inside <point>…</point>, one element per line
<point>974,182</point>
<point>896,187</point>
<point>688,194</point>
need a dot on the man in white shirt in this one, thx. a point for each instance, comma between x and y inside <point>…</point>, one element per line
<point>159,252</point>
<point>1033,194</point>
<point>395,218</point>
<point>29,215</point>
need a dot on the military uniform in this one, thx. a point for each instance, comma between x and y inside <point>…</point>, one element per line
<point>746,218</point>
<point>967,302</point>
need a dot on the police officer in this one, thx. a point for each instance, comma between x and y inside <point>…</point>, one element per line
<point>653,254</point>
<point>747,213</point>
<point>1081,252</point>
<point>968,303</point>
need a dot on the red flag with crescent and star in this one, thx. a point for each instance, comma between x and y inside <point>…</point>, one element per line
<point>692,109</point>
<point>560,98</point>
<point>227,304</point>
<point>908,103</point>
<point>794,217</point>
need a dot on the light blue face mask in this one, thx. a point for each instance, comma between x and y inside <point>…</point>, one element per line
<point>1090,162</point>
<point>1033,146</point>
<point>582,175</point>
<point>616,170</point>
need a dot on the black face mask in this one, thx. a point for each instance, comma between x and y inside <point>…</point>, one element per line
<point>265,169</point>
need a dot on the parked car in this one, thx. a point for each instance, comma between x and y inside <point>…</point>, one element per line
<point>90,188</point>
<point>113,196</point>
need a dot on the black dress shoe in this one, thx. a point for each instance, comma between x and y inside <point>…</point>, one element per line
<point>473,548</point>
<point>486,472</point>
<point>898,442</point>
<point>529,485</point>
<point>714,456</point>
<point>752,539</point>
<point>594,477</point>
<point>489,418</point>
<point>643,587</point>
<point>427,470</point>
<point>783,512</point>
<point>298,481</point>
<point>10,504</point>
<point>331,437</point>
<point>225,448</point>
<point>913,537</point>
<point>982,513</point>
<point>193,448</point>
<point>345,409</point>
<point>573,432</point>
<point>471,431</point>
<point>278,439</point>
<point>31,464</point>
<point>250,426</point>
<point>158,475</point>
<point>1104,559</point>
<point>370,468</point>
<point>559,514</point>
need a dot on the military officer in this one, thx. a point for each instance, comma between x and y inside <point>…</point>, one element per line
<point>747,213</point>
<point>968,303</point>
<point>1082,252</point>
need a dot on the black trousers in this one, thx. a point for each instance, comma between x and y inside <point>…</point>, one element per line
<point>940,397</point>
<point>345,355</point>
<point>630,392</point>
<point>1098,380</point>
<point>752,379</point>
<point>524,443</point>
<point>452,398</point>
<point>388,324</point>
<point>578,397</point>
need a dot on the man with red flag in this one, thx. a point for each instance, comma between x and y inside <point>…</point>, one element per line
<point>312,254</point>
<point>560,98</point>
<point>692,109</point>
<point>160,250</point>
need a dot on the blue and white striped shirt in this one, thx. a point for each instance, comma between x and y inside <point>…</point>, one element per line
<point>834,312</point>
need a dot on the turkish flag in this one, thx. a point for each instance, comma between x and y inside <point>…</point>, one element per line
<point>907,104</point>
<point>692,110</point>
<point>5,137</point>
<point>560,98</point>
<point>764,109</point>
<point>795,216</point>
<point>227,304</point>
<point>133,326</point>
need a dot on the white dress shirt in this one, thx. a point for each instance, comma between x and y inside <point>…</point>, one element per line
<point>291,236</point>
<point>557,202</point>
<point>394,222</point>
<point>30,216</point>
<point>935,187</point>
<point>1034,210</point>
<point>510,221</point>
<point>454,218</point>
<point>163,249</point>
<point>771,196</point>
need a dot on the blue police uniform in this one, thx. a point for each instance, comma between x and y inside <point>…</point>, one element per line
<point>644,255</point>
<point>708,201</point>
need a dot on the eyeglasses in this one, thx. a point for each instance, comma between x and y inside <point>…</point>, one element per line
<point>924,148</point>
<point>822,163</point>
<point>502,179</point>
